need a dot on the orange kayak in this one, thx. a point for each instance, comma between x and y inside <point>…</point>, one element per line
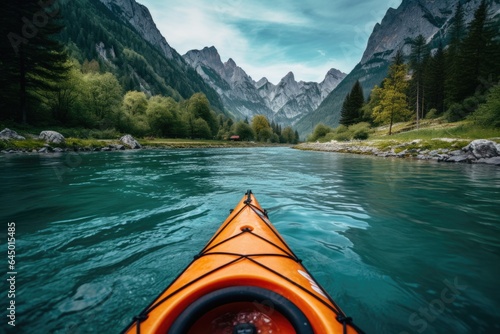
<point>246,280</point>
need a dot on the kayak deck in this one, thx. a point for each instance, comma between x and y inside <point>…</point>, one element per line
<point>246,275</point>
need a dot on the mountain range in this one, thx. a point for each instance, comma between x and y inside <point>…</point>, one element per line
<point>123,37</point>
<point>399,26</point>
<point>285,103</point>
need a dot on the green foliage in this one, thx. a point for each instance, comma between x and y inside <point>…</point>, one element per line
<point>136,63</point>
<point>199,107</point>
<point>289,136</point>
<point>101,98</point>
<point>433,113</point>
<point>351,109</point>
<point>262,128</point>
<point>201,130</point>
<point>392,103</point>
<point>419,59</point>
<point>488,114</point>
<point>435,80</point>
<point>455,113</point>
<point>31,61</point>
<point>479,54</point>
<point>320,131</point>
<point>135,103</point>
<point>360,131</point>
<point>244,130</point>
<point>163,115</point>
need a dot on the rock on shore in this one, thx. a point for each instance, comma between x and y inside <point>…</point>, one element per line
<point>130,142</point>
<point>478,151</point>
<point>52,137</point>
<point>8,134</point>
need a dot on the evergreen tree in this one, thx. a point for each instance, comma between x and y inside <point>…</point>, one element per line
<point>453,54</point>
<point>435,80</point>
<point>31,61</point>
<point>351,108</point>
<point>297,137</point>
<point>418,58</point>
<point>477,51</point>
<point>345,117</point>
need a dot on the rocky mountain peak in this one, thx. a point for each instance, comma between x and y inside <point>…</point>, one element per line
<point>261,82</point>
<point>230,63</point>
<point>140,18</point>
<point>410,19</point>
<point>332,78</point>
<point>290,77</point>
<point>284,103</point>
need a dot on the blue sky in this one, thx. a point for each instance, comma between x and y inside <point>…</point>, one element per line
<point>272,37</point>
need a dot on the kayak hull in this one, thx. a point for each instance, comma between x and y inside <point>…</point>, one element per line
<point>245,269</point>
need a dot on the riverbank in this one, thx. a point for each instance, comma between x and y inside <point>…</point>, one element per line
<point>53,142</point>
<point>437,149</point>
<point>79,145</point>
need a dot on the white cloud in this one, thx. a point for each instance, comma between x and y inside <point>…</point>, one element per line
<point>245,31</point>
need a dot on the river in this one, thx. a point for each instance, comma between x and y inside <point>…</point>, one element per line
<point>402,246</point>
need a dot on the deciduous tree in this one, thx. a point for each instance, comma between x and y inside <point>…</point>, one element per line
<point>393,103</point>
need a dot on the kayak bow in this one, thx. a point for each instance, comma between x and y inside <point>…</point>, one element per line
<point>246,280</point>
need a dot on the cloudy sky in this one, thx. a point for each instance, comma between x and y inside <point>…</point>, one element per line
<point>272,37</point>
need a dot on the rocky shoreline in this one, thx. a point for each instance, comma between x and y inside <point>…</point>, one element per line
<point>478,151</point>
<point>54,142</point>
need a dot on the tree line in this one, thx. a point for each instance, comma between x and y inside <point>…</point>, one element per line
<point>457,82</point>
<point>43,85</point>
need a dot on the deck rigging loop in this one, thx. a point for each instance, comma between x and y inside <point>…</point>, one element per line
<point>249,197</point>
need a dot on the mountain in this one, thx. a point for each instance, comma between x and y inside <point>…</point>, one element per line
<point>236,89</point>
<point>432,19</point>
<point>122,36</point>
<point>285,103</point>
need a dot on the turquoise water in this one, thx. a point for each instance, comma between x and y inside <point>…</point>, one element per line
<point>402,246</point>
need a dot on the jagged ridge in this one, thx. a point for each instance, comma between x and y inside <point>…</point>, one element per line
<point>285,103</point>
<point>413,17</point>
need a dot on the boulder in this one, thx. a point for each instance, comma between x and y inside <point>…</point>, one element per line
<point>461,158</point>
<point>490,161</point>
<point>116,147</point>
<point>130,142</point>
<point>51,137</point>
<point>7,134</point>
<point>482,149</point>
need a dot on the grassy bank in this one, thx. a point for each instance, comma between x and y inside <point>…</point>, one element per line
<point>429,129</point>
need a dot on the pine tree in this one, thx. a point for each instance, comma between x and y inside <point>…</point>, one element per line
<point>351,108</point>
<point>345,116</point>
<point>477,51</point>
<point>418,58</point>
<point>457,34</point>
<point>435,80</point>
<point>31,62</point>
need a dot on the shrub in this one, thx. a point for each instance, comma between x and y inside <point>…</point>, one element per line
<point>341,128</point>
<point>455,113</point>
<point>320,131</point>
<point>361,134</point>
<point>343,136</point>
<point>431,114</point>
<point>360,131</point>
<point>488,114</point>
